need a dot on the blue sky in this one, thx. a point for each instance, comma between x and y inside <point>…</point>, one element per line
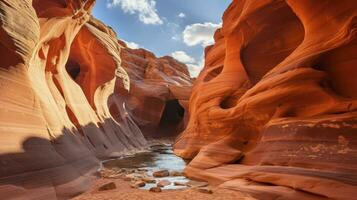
<point>180,28</point>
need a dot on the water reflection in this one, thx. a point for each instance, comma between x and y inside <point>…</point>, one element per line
<point>159,157</point>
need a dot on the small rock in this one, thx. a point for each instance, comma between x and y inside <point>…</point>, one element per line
<point>155,189</point>
<point>142,170</point>
<point>134,176</point>
<point>176,173</point>
<point>118,170</point>
<point>196,184</point>
<point>161,173</point>
<point>125,178</point>
<point>163,183</point>
<point>105,173</point>
<point>205,190</point>
<point>138,184</point>
<point>149,180</point>
<point>108,186</point>
<point>179,184</point>
<point>115,176</point>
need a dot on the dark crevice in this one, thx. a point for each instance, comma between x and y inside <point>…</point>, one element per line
<point>171,123</point>
<point>90,141</point>
<point>229,102</point>
<point>73,69</point>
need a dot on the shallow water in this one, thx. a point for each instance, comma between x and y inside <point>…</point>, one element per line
<point>159,157</point>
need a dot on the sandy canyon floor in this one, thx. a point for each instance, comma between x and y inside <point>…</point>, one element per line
<point>125,172</point>
<point>125,192</point>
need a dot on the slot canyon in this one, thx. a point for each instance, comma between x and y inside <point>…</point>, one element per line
<point>272,115</point>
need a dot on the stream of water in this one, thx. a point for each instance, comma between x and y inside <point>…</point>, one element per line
<point>159,157</point>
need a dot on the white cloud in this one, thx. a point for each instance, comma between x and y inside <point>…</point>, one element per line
<point>146,9</point>
<point>195,34</point>
<point>132,45</point>
<point>181,15</point>
<point>176,37</point>
<point>183,57</point>
<point>193,66</point>
<point>196,68</point>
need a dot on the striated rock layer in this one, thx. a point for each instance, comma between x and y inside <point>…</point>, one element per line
<point>274,112</point>
<point>59,68</point>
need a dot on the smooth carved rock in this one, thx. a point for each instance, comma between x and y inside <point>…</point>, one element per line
<point>61,70</point>
<point>277,101</point>
<point>159,92</point>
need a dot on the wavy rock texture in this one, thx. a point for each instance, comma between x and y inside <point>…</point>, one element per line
<point>274,112</point>
<point>59,68</point>
<point>159,92</point>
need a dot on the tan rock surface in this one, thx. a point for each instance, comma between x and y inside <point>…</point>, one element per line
<point>58,68</point>
<point>277,102</point>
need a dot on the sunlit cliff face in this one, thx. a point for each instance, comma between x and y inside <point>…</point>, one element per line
<point>66,95</point>
<point>279,90</point>
<point>60,67</point>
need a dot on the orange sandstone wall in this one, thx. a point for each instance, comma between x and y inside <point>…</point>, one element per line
<point>59,68</point>
<point>159,92</point>
<point>274,112</point>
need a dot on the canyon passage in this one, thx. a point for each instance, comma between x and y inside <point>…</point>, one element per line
<point>272,115</point>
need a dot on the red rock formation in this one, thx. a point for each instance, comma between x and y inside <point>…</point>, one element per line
<point>159,92</point>
<point>58,68</point>
<point>275,108</point>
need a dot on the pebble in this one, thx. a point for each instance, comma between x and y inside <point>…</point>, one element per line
<point>161,173</point>
<point>149,180</point>
<point>155,189</point>
<point>108,186</point>
<point>138,184</point>
<point>163,183</point>
<point>205,190</point>
<point>179,184</point>
<point>176,173</point>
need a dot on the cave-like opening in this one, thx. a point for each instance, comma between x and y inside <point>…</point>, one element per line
<point>73,69</point>
<point>171,123</point>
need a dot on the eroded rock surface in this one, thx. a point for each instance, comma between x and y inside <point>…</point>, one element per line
<point>58,68</point>
<point>160,89</point>
<point>277,102</point>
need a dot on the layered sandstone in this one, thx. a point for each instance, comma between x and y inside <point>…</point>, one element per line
<point>59,68</point>
<point>159,92</point>
<point>274,112</point>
